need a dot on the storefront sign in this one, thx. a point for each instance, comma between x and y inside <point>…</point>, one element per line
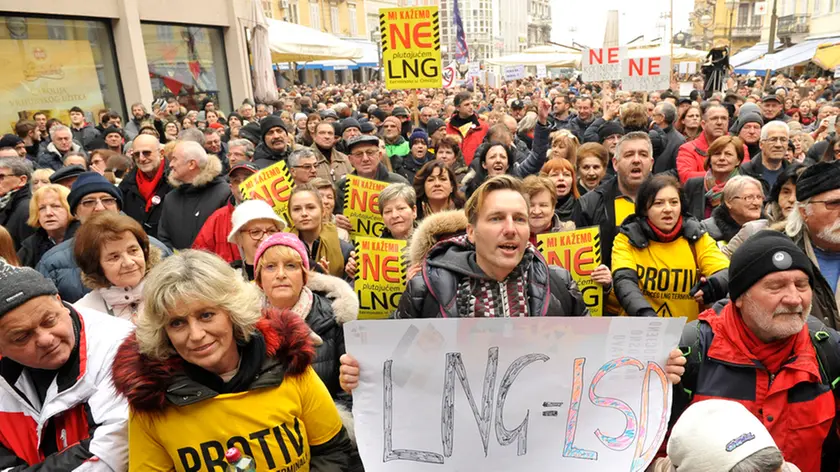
<point>47,76</point>
<point>361,206</point>
<point>579,252</point>
<point>602,63</point>
<point>272,185</point>
<point>576,394</point>
<point>646,74</point>
<point>411,47</point>
<point>380,276</point>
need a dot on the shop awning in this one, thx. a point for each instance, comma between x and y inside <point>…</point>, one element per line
<point>370,58</point>
<point>796,54</point>
<point>827,55</point>
<point>291,42</point>
<point>750,54</point>
<point>549,56</point>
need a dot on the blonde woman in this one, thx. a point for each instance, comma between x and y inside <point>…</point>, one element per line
<point>49,214</point>
<point>40,178</point>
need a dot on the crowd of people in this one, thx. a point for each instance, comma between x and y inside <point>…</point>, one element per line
<point>152,316</point>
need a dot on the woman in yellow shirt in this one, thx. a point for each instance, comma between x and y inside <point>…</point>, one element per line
<point>663,262</point>
<point>207,370</point>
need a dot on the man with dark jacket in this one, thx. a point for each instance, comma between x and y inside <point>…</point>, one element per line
<point>61,142</point>
<point>15,176</point>
<point>772,109</point>
<point>198,191</point>
<point>584,118</point>
<point>84,133</point>
<point>275,142</point>
<point>665,115</point>
<point>770,162</point>
<point>145,187</point>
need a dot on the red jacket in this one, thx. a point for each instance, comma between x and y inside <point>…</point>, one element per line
<point>213,235</point>
<point>473,138</point>
<point>691,158</point>
<point>795,406</point>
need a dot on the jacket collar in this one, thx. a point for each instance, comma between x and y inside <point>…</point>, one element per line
<point>638,231</point>
<point>206,175</point>
<point>432,229</point>
<point>343,299</point>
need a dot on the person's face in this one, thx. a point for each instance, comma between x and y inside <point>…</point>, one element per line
<point>203,336</point>
<point>446,155</point>
<point>236,154</point>
<point>236,179</point>
<point>496,162</point>
<point>115,122</point>
<point>746,206</point>
<point>541,213</point>
<point>325,136</point>
<point>305,170</point>
<point>692,118</point>
<point>563,181</point>
<point>787,198</point>
<point>634,164</point>
<point>212,117</point>
<point>288,106</point>
<point>655,98</point>
<point>438,187</point>
<point>38,334</point>
<point>399,217</point>
<point>665,209</point>
<point>51,213</point>
<point>305,212</point>
<point>39,182</point>
<point>76,118</point>
<point>172,108</point>
<point>137,112</point>
<point>262,111</point>
<point>122,260</point>
<point>805,108</point>
<point>500,233</point>
<point>611,142</point>
<point>328,199</point>
<point>390,129</point>
<point>725,161</point>
<point>560,106</point>
<point>9,181</point>
<point>387,108</point>
<point>146,153</point>
<point>777,306</point>
<point>41,121</point>
<point>312,125</point>
<point>770,109</point>
<point>419,148</point>
<point>20,148</point>
<point>427,114</point>
<point>584,108</point>
<point>113,140</point>
<point>466,108</point>
<point>276,139</point>
<point>351,133</point>
<point>94,203</point>
<point>247,112</point>
<point>716,123</point>
<point>750,133</point>
<point>823,220</point>
<point>282,279</point>
<point>365,159</point>
<point>252,234</point>
<point>210,106</point>
<point>179,167</point>
<point>171,129</point>
<point>63,140</point>
<point>75,161</point>
<point>591,171</point>
<point>212,143</point>
<point>775,145</point>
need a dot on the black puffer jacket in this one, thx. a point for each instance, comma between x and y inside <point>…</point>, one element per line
<point>134,205</point>
<point>265,157</point>
<point>721,226</point>
<point>14,216</point>
<point>35,246</point>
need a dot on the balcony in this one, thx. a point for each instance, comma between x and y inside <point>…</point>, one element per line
<point>746,32</point>
<point>790,25</point>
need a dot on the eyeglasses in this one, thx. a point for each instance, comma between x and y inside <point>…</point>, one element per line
<point>750,198</point>
<point>3,176</point>
<point>369,153</point>
<point>306,167</point>
<point>106,202</point>
<point>831,205</point>
<point>257,234</point>
<point>777,139</point>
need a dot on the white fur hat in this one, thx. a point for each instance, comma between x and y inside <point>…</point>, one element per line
<point>251,210</point>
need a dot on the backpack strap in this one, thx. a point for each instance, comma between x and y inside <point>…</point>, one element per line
<point>694,344</point>
<point>828,353</point>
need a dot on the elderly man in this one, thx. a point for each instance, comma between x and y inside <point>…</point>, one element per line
<point>303,166</point>
<point>367,162</point>
<point>145,187</point>
<point>213,145</point>
<point>665,115</point>
<point>760,351</point>
<point>275,143</point>
<point>15,176</point>
<point>59,410</point>
<point>240,150</point>
<point>61,142</point>
<point>770,162</point>
<point>772,109</point>
<point>691,157</point>
<point>198,191</point>
<point>333,165</point>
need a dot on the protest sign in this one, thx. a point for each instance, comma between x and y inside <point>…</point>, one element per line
<point>450,75</point>
<point>508,394</point>
<point>361,205</point>
<point>579,252</point>
<point>646,74</point>
<point>475,69</point>
<point>514,72</point>
<point>602,63</point>
<point>541,71</point>
<point>380,276</point>
<point>272,185</point>
<point>411,47</point>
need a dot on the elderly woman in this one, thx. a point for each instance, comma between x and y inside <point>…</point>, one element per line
<point>562,173</point>
<point>723,162</point>
<point>208,369</point>
<point>252,222</point>
<point>449,152</point>
<point>114,255</point>
<point>564,144</point>
<point>49,214</point>
<point>398,207</point>
<point>436,190</point>
<point>663,262</point>
<point>742,202</point>
<point>326,250</point>
<point>592,163</point>
<point>323,301</point>
<point>542,195</point>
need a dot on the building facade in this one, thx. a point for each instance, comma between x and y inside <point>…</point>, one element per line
<point>539,22</point>
<point>799,20</point>
<point>736,23</point>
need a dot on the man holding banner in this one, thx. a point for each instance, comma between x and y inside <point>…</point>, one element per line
<point>367,162</point>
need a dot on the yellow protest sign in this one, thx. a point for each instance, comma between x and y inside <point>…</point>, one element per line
<point>411,47</point>
<point>361,205</point>
<point>579,252</point>
<point>380,276</point>
<point>272,185</point>
<point>51,76</point>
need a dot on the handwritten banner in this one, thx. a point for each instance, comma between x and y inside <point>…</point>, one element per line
<point>380,276</point>
<point>602,63</point>
<point>410,47</point>
<point>502,394</point>
<point>272,185</point>
<point>646,74</point>
<point>362,206</point>
<point>579,252</point>
<point>514,72</point>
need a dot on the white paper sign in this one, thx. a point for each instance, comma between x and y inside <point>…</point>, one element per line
<point>646,73</point>
<point>475,69</point>
<point>602,63</point>
<point>499,395</point>
<point>686,88</point>
<point>514,72</point>
<point>837,72</point>
<point>449,75</point>
<point>541,71</point>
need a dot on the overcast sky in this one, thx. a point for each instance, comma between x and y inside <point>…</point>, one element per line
<point>636,17</point>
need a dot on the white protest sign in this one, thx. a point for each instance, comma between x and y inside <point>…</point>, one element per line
<point>475,69</point>
<point>503,394</point>
<point>646,74</point>
<point>602,63</point>
<point>514,73</point>
<point>449,76</point>
<point>541,71</point>
<point>837,72</point>
<point>686,88</point>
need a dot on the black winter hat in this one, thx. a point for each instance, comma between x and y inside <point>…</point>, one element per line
<point>18,285</point>
<point>9,141</point>
<point>744,118</point>
<point>608,129</point>
<point>379,114</point>
<point>765,252</point>
<point>271,121</point>
<point>819,178</point>
<point>434,124</point>
<point>367,127</point>
<point>66,172</point>
<point>348,123</point>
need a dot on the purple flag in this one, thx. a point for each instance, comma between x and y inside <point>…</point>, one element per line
<point>462,53</point>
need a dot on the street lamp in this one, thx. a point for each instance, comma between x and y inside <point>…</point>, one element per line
<point>705,21</point>
<point>731,5</point>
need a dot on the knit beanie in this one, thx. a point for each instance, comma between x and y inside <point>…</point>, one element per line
<point>367,127</point>
<point>744,118</point>
<point>91,182</point>
<point>379,114</point>
<point>608,129</point>
<point>300,116</point>
<point>765,252</point>
<point>249,211</point>
<point>348,123</point>
<point>395,120</point>
<point>283,239</point>
<point>271,121</point>
<point>434,124</point>
<point>112,130</point>
<point>18,285</point>
<point>819,178</point>
<point>419,133</point>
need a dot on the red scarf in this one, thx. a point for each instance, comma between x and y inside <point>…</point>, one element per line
<point>771,355</point>
<point>148,186</point>
<point>670,236</point>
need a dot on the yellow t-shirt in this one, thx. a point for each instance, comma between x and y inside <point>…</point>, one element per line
<point>624,207</point>
<point>274,425</point>
<point>667,271</point>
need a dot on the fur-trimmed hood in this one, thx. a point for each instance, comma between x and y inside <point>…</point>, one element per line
<point>210,171</point>
<point>93,282</point>
<point>344,302</point>
<point>144,381</point>
<point>432,229</point>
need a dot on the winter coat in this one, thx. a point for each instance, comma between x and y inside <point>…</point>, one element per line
<point>410,167</point>
<point>755,169</point>
<point>188,206</point>
<point>35,246</point>
<point>135,206</point>
<point>397,150</point>
<point>382,175</point>
<point>14,216</point>
<point>89,420</point>
<point>87,136</point>
<point>265,157</point>
<point>178,410</point>
<point>695,195</point>
<point>334,168</point>
<point>433,293</point>
<point>51,158</point>
<point>578,127</point>
<point>132,128</point>
<point>473,137</point>
<point>213,236</point>
<point>667,160</point>
<point>720,226</point>
<point>659,276</point>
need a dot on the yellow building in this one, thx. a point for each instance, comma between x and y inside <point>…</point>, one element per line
<point>717,22</point>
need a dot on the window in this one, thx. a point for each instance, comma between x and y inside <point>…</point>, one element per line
<point>351,13</point>
<point>315,16</point>
<point>334,26</point>
<point>266,6</point>
<point>817,7</point>
<point>294,16</point>
<point>164,33</point>
<point>835,6</point>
